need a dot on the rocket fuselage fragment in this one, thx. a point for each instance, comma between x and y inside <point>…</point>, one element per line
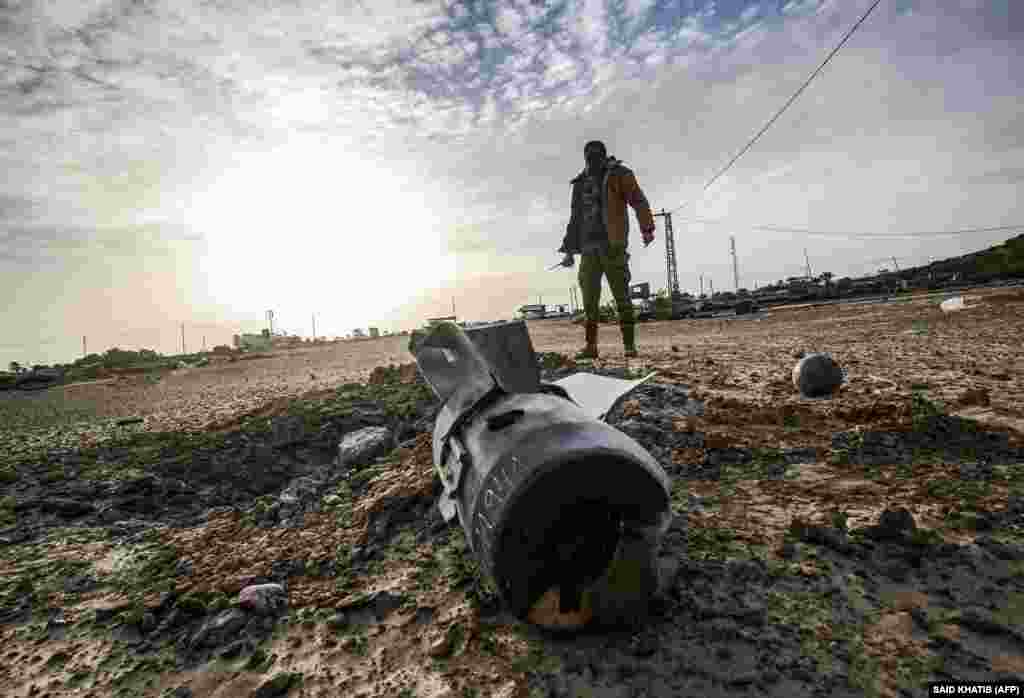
<point>542,488</point>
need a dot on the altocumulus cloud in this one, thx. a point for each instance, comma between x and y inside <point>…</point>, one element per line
<point>115,115</point>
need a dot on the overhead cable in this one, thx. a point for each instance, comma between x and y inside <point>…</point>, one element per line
<point>785,106</point>
<point>855,235</point>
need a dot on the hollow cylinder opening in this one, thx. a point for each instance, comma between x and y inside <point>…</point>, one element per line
<point>562,529</point>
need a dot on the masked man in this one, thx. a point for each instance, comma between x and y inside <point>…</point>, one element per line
<point>598,230</point>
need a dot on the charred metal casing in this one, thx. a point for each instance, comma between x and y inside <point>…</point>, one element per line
<point>544,489</point>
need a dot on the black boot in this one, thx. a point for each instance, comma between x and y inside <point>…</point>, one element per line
<point>629,338</point>
<point>590,351</point>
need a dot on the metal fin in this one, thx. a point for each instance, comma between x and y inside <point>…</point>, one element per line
<point>598,395</point>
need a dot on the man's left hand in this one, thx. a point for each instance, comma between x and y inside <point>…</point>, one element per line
<point>648,236</point>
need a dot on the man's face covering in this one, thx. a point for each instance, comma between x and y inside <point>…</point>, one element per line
<point>595,157</point>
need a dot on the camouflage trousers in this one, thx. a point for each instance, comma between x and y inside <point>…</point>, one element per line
<point>614,265</point>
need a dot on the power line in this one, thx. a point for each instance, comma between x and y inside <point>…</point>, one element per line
<point>856,235</point>
<point>785,106</point>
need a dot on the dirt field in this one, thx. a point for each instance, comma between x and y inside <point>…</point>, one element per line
<point>886,349</point>
<point>858,545</point>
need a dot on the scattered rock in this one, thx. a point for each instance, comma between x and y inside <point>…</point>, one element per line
<point>102,614</point>
<point>976,471</point>
<point>219,629</point>
<point>278,686</point>
<point>440,646</point>
<point>263,598</point>
<point>893,524</point>
<point>364,445</point>
<point>817,375</point>
<point>373,608</point>
<point>975,396</point>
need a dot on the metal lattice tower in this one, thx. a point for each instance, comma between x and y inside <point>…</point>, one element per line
<point>735,264</point>
<point>670,254</point>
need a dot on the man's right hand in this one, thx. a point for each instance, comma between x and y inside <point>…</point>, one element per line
<point>568,260</point>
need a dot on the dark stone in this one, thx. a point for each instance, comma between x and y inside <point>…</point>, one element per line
<point>817,375</point>
<point>235,649</point>
<point>105,613</point>
<point>80,583</point>
<point>219,629</point>
<point>800,455</point>
<point>182,692</point>
<point>982,621</point>
<point>374,608</point>
<point>66,508</point>
<point>976,471</point>
<point>893,524</point>
<point>730,456</point>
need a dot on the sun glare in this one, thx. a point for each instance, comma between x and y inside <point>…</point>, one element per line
<point>309,227</point>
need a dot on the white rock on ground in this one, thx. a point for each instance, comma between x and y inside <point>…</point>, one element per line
<point>263,598</point>
<point>363,445</point>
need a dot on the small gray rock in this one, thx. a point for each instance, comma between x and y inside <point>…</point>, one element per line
<point>263,598</point>
<point>364,445</point>
<point>277,686</point>
<point>220,629</point>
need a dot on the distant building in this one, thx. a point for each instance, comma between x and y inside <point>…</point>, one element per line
<point>374,333</point>
<point>253,342</point>
<point>533,312</point>
<point>358,333</point>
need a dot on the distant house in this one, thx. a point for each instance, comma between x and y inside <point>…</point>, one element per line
<point>253,342</point>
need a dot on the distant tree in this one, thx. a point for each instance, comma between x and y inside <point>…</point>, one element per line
<point>15,367</point>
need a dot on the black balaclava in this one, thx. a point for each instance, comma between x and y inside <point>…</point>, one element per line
<point>595,154</point>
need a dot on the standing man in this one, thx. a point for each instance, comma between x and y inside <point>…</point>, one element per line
<point>598,230</point>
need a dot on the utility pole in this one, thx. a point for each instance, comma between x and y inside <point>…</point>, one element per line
<point>670,254</point>
<point>453,305</point>
<point>314,327</point>
<point>84,352</point>
<point>702,284</point>
<point>808,262</point>
<point>270,320</point>
<point>204,342</point>
<point>735,265</point>
<point>895,264</point>
<point>711,287</point>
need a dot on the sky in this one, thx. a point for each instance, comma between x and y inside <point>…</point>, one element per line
<point>171,163</point>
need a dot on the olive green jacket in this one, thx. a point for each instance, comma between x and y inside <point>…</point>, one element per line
<point>620,188</point>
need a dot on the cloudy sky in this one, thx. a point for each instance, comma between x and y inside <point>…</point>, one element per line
<point>372,162</point>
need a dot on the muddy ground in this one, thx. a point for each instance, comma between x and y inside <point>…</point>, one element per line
<point>859,545</point>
